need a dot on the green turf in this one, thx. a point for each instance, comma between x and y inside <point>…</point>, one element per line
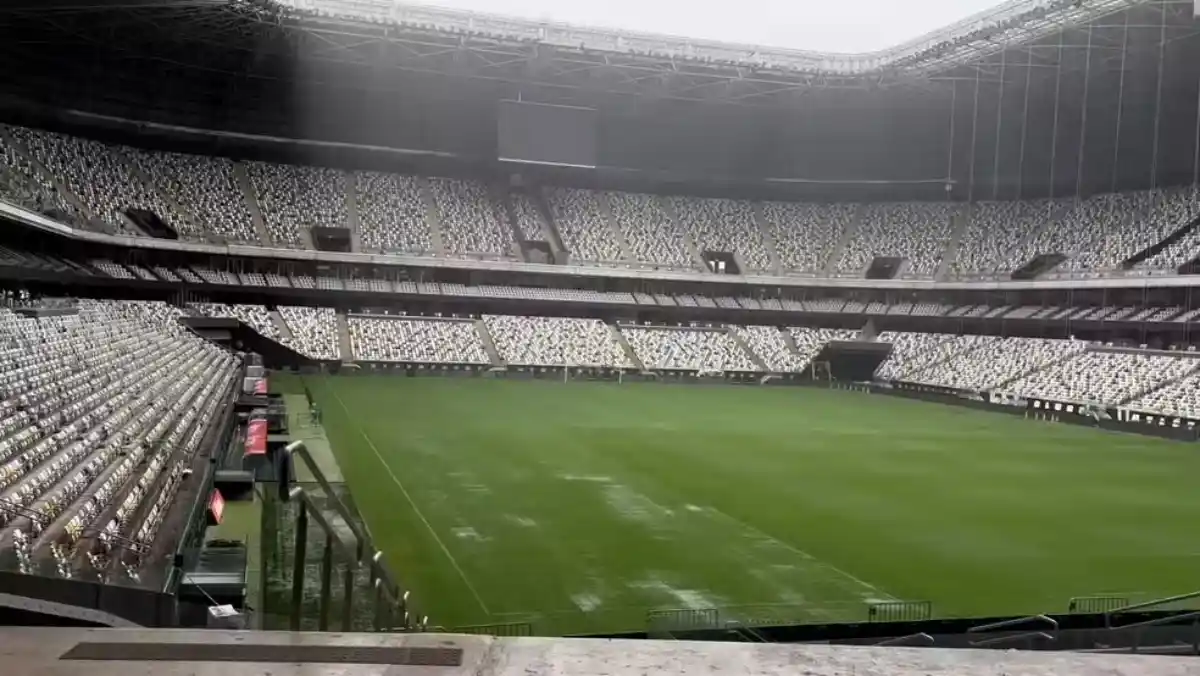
<point>582,506</point>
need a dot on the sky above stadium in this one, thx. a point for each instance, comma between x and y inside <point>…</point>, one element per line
<point>847,26</point>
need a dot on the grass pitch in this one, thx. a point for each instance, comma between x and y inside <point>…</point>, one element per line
<point>582,506</point>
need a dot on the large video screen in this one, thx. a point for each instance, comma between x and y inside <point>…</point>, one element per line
<point>546,134</point>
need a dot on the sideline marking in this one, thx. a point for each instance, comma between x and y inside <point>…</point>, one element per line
<point>884,596</point>
<point>416,510</point>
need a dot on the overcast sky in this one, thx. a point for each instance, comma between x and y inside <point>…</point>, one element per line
<point>825,25</point>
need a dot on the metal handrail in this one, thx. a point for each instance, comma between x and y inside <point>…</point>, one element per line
<point>299,448</point>
<point>1146,605</point>
<point>920,638</point>
<point>1016,622</point>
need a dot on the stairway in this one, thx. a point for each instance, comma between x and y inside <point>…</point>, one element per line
<point>242,176</point>
<point>768,239</point>
<point>789,340</point>
<point>1053,362</point>
<point>352,219</point>
<point>754,356</point>
<point>629,352</point>
<point>959,223</point>
<point>344,345</point>
<point>617,235</point>
<point>489,345</point>
<point>282,326</point>
<point>835,255</point>
<point>1151,251</point>
<point>549,224</point>
<point>508,215</point>
<point>61,187</point>
<point>688,244</point>
<point>1159,385</point>
<point>433,216</point>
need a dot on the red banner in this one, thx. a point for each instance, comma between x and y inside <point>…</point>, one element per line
<point>256,437</point>
<point>260,386</point>
<point>216,505</point>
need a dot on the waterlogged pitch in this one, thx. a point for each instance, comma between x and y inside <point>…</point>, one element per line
<point>580,507</point>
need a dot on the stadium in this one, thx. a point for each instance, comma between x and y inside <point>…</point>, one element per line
<point>362,333</point>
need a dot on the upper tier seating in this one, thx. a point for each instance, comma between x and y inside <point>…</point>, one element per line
<point>651,233</point>
<point>100,175</point>
<point>806,234</point>
<point>471,221</point>
<point>1000,235</point>
<point>700,349</point>
<point>391,214</point>
<point>295,199</point>
<point>723,225</point>
<point>581,223</point>
<point>555,341</point>
<point>1174,209</point>
<point>1108,378</point>
<point>416,339</point>
<point>529,217</point>
<point>919,232</point>
<point>205,188</point>
<point>21,183</point>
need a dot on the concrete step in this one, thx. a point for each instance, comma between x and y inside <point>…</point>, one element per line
<point>345,346</point>
<point>489,345</point>
<point>629,351</point>
<point>433,216</point>
<point>242,176</point>
<point>352,217</point>
<point>282,326</point>
<point>754,356</point>
<point>835,256</point>
<point>617,235</point>
<point>768,239</point>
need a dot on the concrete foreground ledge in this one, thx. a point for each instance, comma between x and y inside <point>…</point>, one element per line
<point>34,651</point>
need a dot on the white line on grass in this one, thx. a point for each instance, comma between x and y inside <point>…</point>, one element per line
<point>881,594</point>
<point>417,511</point>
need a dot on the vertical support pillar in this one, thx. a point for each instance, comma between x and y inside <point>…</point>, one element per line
<point>348,599</point>
<point>1054,132</point>
<point>298,565</point>
<point>1024,125</point>
<point>326,584</point>
<point>1162,48</point>
<point>974,136</point>
<point>1087,73</point>
<point>950,152</point>
<point>999,124</point>
<point>1120,105</point>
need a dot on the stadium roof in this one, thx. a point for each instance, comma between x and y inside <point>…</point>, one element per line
<point>844,28</point>
<point>977,36</point>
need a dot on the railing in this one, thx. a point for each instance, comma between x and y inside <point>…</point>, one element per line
<point>1111,624</point>
<point>390,605</point>
<point>918,639</point>
<point>1015,624</point>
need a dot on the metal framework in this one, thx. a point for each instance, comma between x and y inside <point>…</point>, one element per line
<point>557,59</point>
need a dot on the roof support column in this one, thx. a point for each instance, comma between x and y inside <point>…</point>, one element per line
<point>1162,48</point>
<point>1120,106</point>
<point>999,125</point>
<point>1024,126</point>
<point>1087,81</point>
<point>1054,132</point>
<point>974,135</point>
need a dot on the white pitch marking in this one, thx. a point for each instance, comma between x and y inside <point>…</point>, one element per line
<point>805,555</point>
<point>417,511</point>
